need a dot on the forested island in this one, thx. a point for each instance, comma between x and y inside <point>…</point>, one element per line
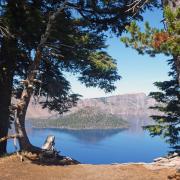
<point>87,118</point>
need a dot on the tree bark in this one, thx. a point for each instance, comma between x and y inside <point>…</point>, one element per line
<point>177,64</point>
<point>174,5</point>
<point>7,64</point>
<point>22,106</point>
<point>5,100</point>
<point>23,103</point>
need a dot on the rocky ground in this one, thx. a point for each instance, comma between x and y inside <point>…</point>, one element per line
<point>11,168</point>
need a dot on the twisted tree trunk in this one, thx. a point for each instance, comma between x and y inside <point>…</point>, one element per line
<point>4,114</point>
<point>7,66</point>
<point>5,100</point>
<point>26,94</point>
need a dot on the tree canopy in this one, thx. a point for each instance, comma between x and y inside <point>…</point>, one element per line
<point>76,39</point>
<point>49,38</point>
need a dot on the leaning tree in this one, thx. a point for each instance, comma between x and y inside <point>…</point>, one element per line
<point>53,37</point>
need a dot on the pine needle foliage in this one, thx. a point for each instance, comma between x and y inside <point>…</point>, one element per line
<point>166,41</point>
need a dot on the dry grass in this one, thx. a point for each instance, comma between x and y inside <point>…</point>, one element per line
<point>11,168</point>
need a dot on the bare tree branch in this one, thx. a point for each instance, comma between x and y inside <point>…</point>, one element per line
<point>136,5</point>
<point>4,30</point>
<point>13,136</point>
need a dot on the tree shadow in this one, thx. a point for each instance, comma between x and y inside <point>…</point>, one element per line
<point>57,160</point>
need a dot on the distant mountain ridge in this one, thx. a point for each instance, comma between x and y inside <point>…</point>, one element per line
<point>123,105</point>
<point>126,105</point>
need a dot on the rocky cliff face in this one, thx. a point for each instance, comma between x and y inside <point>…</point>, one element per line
<point>134,108</point>
<point>123,105</point>
<point>35,111</point>
<point>126,106</point>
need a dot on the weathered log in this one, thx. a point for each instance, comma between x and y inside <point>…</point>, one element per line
<point>49,143</point>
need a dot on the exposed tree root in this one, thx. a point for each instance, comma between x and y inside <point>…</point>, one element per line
<point>40,156</point>
<point>47,158</point>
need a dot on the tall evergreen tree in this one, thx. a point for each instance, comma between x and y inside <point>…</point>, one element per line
<point>154,41</point>
<point>168,98</point>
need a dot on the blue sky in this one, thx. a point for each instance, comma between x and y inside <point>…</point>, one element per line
<point>138,71</point>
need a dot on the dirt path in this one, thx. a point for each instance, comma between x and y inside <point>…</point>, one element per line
<point>12,169</point>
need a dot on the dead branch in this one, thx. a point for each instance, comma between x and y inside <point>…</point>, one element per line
<point>136,5</point>
<point>37,81</point>
<point>13,136</point>
<point>25,82</point>
<point>4,30</point>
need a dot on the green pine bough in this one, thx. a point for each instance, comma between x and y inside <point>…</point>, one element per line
<point>166,41</point>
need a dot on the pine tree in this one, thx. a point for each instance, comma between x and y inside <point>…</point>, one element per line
<point>155,41</point>
<point>168,98</point>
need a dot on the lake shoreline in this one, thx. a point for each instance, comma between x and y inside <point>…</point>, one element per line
<point>80,129</point>
<point>103,145</point>
<point>133,171</point>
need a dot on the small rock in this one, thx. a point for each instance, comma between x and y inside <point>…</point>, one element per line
<point>173,155</point>
<point>114,163</point>
<point>178,170</point>
<point>158,159</point>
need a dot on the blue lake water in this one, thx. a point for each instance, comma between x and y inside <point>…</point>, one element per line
<point>101,146</point>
